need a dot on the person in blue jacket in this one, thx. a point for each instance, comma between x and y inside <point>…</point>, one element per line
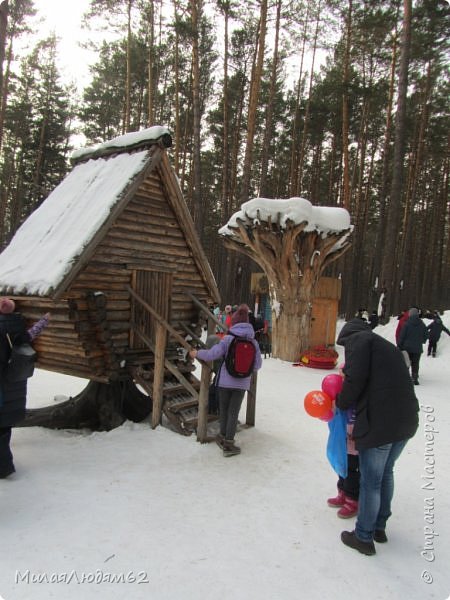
<point>231,389</point>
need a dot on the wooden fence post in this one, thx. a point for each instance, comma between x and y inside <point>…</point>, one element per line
<point>158,377</point>
<point>251,401</point>
<point>202,421</point>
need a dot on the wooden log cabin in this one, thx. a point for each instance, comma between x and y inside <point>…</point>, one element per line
<point>113,255</point>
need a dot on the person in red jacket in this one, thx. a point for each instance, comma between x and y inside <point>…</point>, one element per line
<point>402,318</point>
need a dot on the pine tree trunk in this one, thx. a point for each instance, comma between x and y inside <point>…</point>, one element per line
<point>268,129</point>
<point>177,96</point>
<point>127,111</point>
<point>197,181</point>
<point>390,259</point>
<point>381,229</point>
<point>302,153</point>
<point>293,171</point>
<point>151,69</point>
<point>253,105</point>
<point>345,113</point>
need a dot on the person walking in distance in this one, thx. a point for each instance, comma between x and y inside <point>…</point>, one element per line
<point>412,337</point>
<point>435,328</point>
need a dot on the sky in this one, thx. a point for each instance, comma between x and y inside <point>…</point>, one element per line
<point>140,513</point>
<point>64,18</point>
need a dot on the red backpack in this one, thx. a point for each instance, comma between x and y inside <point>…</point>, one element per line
<point>240,358</point>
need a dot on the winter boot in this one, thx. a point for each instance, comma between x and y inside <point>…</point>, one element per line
<point>338,500</point>
<point>349,539</point>
<point>7,472</point>
<point>230,449</point>
<point>379,535</point>
<point>349,509</point>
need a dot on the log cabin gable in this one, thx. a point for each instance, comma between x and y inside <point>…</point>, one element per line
<point>123,199</point>
<point>158,179</point>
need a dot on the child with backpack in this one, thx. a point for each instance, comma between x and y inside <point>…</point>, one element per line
<point>241,356</point>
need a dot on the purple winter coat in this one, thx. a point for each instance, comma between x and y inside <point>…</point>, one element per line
<point>220,350</point>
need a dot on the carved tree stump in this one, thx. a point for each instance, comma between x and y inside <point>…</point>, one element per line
<point>293,256</point>
<point>99,407</point>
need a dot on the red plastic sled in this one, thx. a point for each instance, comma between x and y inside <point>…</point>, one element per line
<point>319,357</point>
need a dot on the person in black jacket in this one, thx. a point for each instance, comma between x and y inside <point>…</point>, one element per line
<point>435,328</point>
<point>13,395</point>
<point>377,381</point>
<point>412,337</point>
<point>373,319</point>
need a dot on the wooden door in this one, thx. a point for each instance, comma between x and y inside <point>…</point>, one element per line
<point>323,322</point>
<point>155,287</point>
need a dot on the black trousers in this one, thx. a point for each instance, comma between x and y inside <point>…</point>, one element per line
<point>432,345</point>
<point>229,406</point>
<point>6,457</point>
<point>415,360</point>
<point>350,485</point>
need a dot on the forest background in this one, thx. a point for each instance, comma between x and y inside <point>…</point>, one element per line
<point>342,102</point>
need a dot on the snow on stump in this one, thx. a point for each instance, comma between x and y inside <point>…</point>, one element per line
<point>293,241</point>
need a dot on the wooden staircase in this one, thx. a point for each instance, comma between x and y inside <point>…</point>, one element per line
<point>179,405</point>
<point>168,379</point>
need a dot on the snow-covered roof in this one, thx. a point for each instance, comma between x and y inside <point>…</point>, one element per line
<point>296,210</point>
<point>124,142</point>
<point>49,242</point>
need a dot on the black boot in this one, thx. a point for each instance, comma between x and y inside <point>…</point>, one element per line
<point>9,471</point>
<point>379,535</point>
<point>349,539</point>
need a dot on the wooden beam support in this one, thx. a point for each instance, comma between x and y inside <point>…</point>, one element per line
<point>160,320</point>
<point>251,401</point>
<point>158,379</point>
<point>169,366</point>
<point>202,422</point>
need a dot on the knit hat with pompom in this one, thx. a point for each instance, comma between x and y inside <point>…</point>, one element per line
<point>240,315</point>
<point>7,306</point>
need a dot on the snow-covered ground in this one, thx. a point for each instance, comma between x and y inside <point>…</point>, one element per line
<point>141,513</point>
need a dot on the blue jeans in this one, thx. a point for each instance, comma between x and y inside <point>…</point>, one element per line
<point>376,488</point>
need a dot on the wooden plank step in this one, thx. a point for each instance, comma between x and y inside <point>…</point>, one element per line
<point>179,406</point>
<point>177,423</point>
<point>192,421</point>
<point>172,390</point>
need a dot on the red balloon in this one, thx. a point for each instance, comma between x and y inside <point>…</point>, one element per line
<point>332,384</point>
<point>317,403</point>
<point>327,416</point>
